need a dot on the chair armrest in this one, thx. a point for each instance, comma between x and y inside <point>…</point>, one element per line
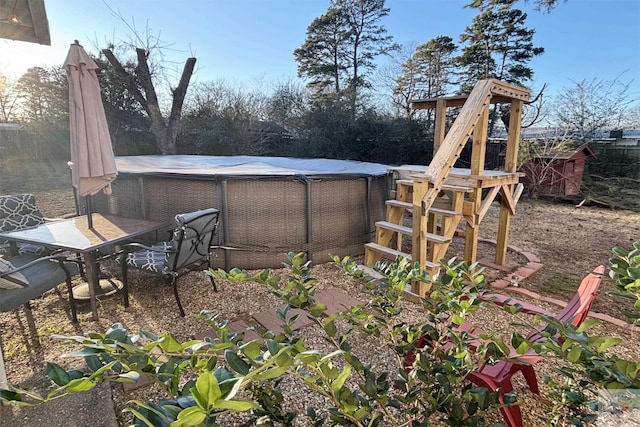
<point>58,258</point>
<point>507,301</point>
<point>47,219</point>
<point>132,246</point>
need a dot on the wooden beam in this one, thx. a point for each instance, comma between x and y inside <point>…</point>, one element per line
<point>440,124</point>
<point>513,139</point>
<point>452,101</point>
<point>486,203</point>
<point>419,237</point>
<point>446,156</point>
<point>475,197</point>
<point>510,165</point>
<point>503,93</point>
<point>479,147</point>
<point>507,198</point>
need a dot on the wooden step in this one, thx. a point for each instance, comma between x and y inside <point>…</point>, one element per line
<point>399,204</point>
<point>408,231</point>
<point>443,212</point>
<point>409,205</point>
<point>393,254</point>
<point>445,186</point>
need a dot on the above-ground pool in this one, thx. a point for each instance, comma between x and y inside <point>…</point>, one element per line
<point>269,205</point>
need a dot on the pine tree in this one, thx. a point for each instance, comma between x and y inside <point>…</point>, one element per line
<point>322,57</point>
<point>341,46</point>
<point>427,74</point>
<point>498,45</point>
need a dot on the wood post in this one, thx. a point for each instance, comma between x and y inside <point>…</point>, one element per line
<point>419,236</point>
<point>440,124</point>
<point>510,165</point>
<point>478,152</point>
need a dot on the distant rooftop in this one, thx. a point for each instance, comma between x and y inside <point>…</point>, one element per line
<point>554,132</point>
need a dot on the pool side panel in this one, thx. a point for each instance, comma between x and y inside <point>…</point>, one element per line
<point>266,216</point>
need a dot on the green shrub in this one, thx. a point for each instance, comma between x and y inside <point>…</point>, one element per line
<point>206,379</point>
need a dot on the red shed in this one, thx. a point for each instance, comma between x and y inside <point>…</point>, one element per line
<point>556,172</point>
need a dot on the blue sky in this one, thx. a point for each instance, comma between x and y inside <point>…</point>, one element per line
<point>251,41</point>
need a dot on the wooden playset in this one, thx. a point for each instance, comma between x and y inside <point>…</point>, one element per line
<point>441,195</point>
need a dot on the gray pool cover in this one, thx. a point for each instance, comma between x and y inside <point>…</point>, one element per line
<point>245,166</point>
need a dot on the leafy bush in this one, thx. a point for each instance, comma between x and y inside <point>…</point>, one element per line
<point>625,271</point>
<point>206,379</point>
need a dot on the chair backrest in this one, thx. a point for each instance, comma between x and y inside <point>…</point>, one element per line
<point>577,309</point>
<point>18,212</point>
<point>192,237</point>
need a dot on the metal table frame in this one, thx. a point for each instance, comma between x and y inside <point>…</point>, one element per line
<point>75,235</point>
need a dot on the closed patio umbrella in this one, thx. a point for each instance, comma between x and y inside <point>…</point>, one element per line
<point>94,167</point>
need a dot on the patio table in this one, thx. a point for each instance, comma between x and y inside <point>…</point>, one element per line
<point>75,235</point>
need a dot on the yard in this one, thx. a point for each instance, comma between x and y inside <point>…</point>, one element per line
<point>569,242</point>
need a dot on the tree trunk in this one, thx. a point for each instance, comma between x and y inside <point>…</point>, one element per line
<point>166,132</point>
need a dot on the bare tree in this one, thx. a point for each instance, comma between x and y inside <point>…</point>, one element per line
<point>42,94</point>
<point>140,85</point>
<point>537,159</point>
<point>224,119</point>
<point>535,111</point>
<point>590,106</point>
<point>288,104</point>
<point>141,81</point>
<point>8,98</point>
<point>389,74</point>
<point>632,118</point>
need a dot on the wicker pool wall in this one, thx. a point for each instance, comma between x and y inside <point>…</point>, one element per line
<point>262,218</point>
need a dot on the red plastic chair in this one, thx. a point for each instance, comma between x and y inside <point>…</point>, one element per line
<point>498,376</point>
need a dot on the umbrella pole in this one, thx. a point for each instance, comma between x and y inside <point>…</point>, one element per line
<point>89,211</point>
<point>75,191</point>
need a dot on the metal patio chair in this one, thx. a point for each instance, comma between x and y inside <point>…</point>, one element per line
<point>27,277</point>
<point>189,249</point>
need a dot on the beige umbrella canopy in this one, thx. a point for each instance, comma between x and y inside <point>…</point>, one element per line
<point>94,167</point>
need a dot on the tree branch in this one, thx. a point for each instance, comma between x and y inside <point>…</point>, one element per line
<point>180,92</point>
<point>144,77</point>
<point>128,79</point>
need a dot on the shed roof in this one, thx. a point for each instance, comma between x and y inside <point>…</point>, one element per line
<point>568,154</point>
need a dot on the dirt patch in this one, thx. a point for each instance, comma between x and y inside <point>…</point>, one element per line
<point>570,242</point>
